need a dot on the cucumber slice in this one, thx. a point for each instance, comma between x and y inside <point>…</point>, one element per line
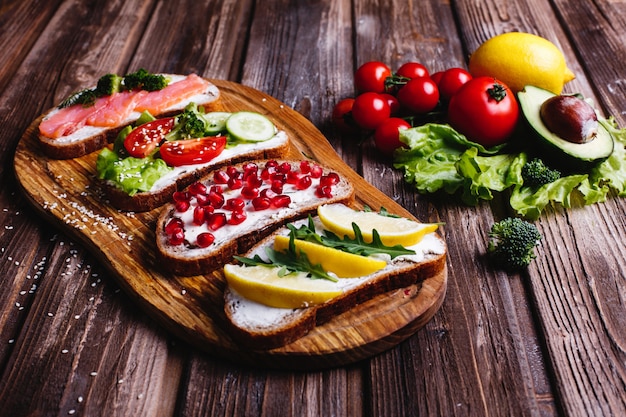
<point>250,127</point>
<point>216,121</point>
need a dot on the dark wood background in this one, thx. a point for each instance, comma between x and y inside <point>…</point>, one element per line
<point>549,341</point>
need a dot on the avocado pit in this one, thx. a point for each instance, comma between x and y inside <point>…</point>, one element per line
<point>570,117</point>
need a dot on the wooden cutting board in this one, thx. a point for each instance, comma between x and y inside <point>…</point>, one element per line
<point>191,307</point>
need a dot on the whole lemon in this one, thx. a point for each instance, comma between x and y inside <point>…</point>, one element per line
<point>519,59</point>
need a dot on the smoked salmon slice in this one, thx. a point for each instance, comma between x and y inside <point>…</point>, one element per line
<point>67,120</point>
<point>157,102</point>
<point>117,109</point>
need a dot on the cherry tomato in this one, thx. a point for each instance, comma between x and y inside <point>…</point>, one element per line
<point>342,116</point>
<point>412,70</point>
<point>192,151</point>
<point>370,110</point>
<point>371,76</point>
<point>387,135</point>
<point>394,104</point>
<point>451,80</point>
<point>436,77</point>
<point>419,95</point>
<point>484,110</point>
<point>144,139</point>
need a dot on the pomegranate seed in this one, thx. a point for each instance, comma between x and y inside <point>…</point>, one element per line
<point>324,191</point>
<point>277,186</point>
<point>202,199</point>
<point>180,196</point>
<point>205,239</point>
<point>235,183</point>
<point>293,177</point>
<point>281,201</point>
<point>261,203</point>
<point>234,204</point>
<point>305,167</point>
<point>253,181</point>
<point>267,173</point>
<point>216,220</point>
<point>329,179</point>
<point>173,224</point>
<point>197,188</point>
<point>216,189</point>
<point>177,238</point>
<point>220,177</point>
<point>304,182</point>
<point>268,193</point>
<point>249,192</point>
<point>277,176</point>
<point>182,206</point>
<point>237,217</point>
<point>271,163</point>
<point>198,215</point>
<point>284,168</point>
<point>250,168</point>
<point>231,171</point>
<point>217,199</point>
<point>316,171</point>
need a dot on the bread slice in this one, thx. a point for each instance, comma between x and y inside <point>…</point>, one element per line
<point>87,138</point>
<point>258,326</point>
<point>187,257</point>
<point>180,177</point>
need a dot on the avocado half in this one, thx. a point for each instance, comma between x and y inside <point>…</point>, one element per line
<point>560,151</point>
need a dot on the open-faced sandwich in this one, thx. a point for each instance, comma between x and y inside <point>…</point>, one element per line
<point>233,208</point>
<point>314,269</point>
<point>89,119</point>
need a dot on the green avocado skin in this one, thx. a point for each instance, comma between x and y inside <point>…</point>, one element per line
<point>559,152</point>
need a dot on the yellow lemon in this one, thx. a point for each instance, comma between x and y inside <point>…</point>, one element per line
<point>263,285</point>
<point>519,59</point>
<point>340,263</point>
<point>338,218</point>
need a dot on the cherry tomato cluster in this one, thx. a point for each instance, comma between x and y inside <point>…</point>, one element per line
<point>483,108</point>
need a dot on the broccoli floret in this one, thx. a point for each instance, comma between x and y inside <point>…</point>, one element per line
<point>189,124</point>
<point>512,243</point>
<point>144,80</point>
<point>108,84</point>
<point>535,173</point>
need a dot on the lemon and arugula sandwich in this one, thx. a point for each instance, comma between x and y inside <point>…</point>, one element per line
<point>313,269</point>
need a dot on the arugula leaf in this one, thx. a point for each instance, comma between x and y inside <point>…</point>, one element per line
<point>289,261</point>
<point>357,246</point>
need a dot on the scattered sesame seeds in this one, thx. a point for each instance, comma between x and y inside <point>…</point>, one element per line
<point>93,374</point>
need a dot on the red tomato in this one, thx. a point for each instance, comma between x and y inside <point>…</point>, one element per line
<point>451,80</point>
<point>342,116</point>
<point>484,110</point>
<point>192,151</point>
<point>387,135</point>
<point>412,70</point>
<point>144,139</point>
<point>370,110</point>
<point>371,76</point>
<point>394,104</point>
<point>436,77</point>
<point>419,95</point>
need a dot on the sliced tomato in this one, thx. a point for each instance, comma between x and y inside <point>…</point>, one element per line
<point>192,151</point>
<point>144,139</point>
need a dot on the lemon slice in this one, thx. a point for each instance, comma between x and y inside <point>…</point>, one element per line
<point>338,218</point>
<point>340,263</point>
<point>263,285</point>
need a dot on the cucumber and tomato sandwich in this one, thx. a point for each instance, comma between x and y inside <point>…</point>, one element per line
<point>152,159</point>
<point>316,268</point>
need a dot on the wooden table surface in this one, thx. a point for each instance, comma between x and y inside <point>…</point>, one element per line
<point>548,341</point>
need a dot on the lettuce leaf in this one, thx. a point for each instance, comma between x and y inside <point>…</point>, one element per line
<point>132,175</point>
<point>438,158</point>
